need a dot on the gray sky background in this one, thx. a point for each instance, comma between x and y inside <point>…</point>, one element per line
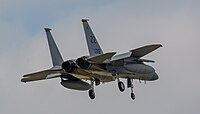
<point>119,26</point>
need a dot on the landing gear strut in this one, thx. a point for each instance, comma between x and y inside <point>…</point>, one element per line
<point>91,91</point>
<point>130,85</point>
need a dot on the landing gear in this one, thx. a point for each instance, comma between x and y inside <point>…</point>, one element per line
<point>121,86</point>
<point>130,85</point>
<point>120,83</point>
<point>133,96</point>
<point>91,91</point>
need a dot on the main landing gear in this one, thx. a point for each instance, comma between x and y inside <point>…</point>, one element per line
<point>91,91</point>
<point>129,85</point>
<point>121,85</point>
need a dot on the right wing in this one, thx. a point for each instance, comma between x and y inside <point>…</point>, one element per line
<point>42,75</point>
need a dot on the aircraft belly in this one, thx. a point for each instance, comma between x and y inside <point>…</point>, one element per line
<point>92,75</point>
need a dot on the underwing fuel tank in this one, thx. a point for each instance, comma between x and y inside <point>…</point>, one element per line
<point>76,84</point>
<point>139,68</point>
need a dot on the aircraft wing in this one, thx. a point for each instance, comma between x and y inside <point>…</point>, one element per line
<point>42,75</point>
<point>135,54</point>
<point>142,51</point>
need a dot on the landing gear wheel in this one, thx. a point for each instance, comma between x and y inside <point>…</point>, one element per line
<point>121,86</point>
<point>91,94</point>
<point>133,96</point>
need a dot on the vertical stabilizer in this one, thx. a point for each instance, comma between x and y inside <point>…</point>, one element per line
<point>93,46</point>
<point>56,57</point>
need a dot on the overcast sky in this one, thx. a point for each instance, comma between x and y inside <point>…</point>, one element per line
<point>119,25</point>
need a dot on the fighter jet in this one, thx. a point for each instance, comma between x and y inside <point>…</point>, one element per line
<point>86,72</point>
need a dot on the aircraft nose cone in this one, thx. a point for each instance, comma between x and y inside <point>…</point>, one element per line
<point>155,76</point>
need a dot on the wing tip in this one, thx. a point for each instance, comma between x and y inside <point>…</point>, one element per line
<point>160,45</point>
<point>23,80</point>
<point>157,45</point>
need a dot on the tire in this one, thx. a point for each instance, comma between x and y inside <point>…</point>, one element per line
<point>132,96</point>
<point>91,94</point>
<point>121,86</point>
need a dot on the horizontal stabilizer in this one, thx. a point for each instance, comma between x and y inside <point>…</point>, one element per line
<point>101,58</point>
<point>142,51</point>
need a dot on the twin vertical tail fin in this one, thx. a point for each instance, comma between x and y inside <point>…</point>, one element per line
<point>93,46</point>
<point>56,57</point>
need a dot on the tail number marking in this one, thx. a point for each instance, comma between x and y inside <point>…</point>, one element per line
<point>93,39</point>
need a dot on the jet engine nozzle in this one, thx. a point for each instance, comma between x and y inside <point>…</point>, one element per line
<point>69,66</point>
<point>82,63</point>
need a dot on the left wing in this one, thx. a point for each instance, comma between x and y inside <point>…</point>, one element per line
<point>134,55</point>
<point>142,51</point>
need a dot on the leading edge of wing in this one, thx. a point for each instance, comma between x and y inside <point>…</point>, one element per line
<point>142,51</point>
